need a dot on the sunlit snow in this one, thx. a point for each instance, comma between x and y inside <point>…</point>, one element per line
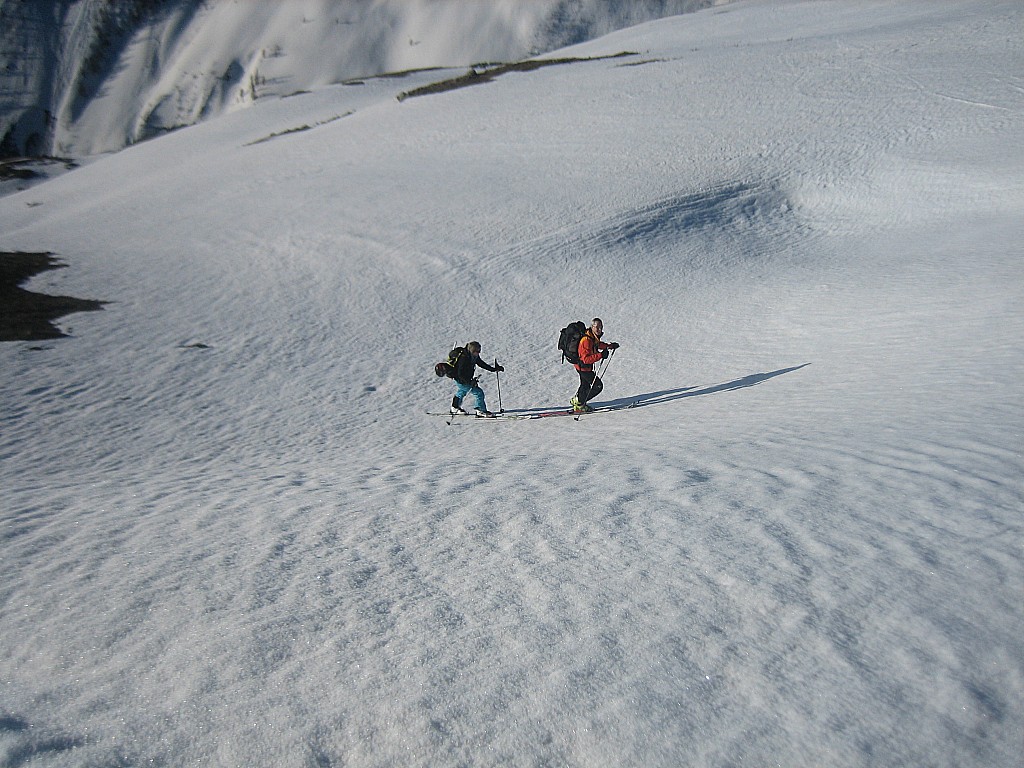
<point>231,535</point>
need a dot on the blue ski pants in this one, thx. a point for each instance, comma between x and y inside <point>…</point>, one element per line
<point>461,390</point>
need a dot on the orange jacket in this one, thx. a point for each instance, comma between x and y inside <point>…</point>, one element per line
<point>590,351</point>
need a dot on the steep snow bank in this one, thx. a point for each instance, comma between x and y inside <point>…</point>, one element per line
<point>91,76</point>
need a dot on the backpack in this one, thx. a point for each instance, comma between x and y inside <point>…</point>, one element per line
<point>569,341</point>
<point>447,368</point>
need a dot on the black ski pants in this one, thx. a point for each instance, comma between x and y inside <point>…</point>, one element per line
<point>590,386</point>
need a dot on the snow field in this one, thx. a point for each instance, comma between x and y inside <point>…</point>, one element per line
<point>804,548</point>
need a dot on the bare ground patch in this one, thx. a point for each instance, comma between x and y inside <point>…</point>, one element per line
<point>485,73</point>
<point>29,316</point>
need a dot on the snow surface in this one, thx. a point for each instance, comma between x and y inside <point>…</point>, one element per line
<point>231,536</point>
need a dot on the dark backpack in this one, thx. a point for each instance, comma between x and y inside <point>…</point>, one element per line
<point>569,341</point>
<point>447,368</point>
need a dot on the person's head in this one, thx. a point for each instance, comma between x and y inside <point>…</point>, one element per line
<point>473,347</point>
<point>597,327</point>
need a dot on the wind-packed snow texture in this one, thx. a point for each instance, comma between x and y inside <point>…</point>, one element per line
<point>81,77</point>
<point>231,537</point>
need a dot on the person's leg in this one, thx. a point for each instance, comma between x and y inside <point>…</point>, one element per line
<point>481,404</point>
<point>584,386</point>
<point>579,402</point>
<point>590,387</point>
<point>460,393</point>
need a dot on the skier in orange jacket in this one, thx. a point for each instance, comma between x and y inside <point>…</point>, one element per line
<point>591,350</point>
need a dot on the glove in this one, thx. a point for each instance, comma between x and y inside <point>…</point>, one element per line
<point>499,368</point>
<point>613,345</point>
<point>476,381</point>
<point>604,354</point>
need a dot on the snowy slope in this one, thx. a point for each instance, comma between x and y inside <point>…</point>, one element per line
<point>232,537</point>
<point>82,77</point>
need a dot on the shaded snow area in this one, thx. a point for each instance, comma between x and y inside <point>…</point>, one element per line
<point>231,536</point>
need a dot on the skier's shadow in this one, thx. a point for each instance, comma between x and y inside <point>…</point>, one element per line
<point>669,395</point>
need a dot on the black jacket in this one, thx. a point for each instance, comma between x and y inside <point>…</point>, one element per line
<point>466,367</point>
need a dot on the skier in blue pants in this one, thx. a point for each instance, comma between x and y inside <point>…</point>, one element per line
<point>467,384</point>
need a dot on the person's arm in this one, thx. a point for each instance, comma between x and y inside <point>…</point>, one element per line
<point>484,365</point>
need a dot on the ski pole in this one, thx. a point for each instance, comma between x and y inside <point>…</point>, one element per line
<point>497,377</point>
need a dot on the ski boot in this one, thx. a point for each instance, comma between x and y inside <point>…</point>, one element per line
<point>578,407</point>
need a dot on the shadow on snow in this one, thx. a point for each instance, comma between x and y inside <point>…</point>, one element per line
<point>670,395</point>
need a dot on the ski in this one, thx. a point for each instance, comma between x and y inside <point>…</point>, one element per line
<point>530,415</point>
<point>496,417</point>
<point>593,411</point>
